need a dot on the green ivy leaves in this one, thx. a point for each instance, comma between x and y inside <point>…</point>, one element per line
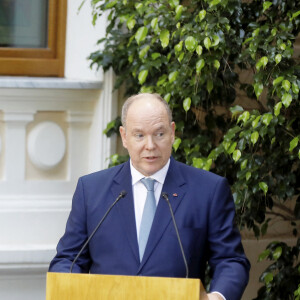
<point>187,103</point>
<point>294,143</point>
<point>164,38</point>
<point>255,121</point>
<point>199,65</point>
<point>202,15</point>
<point>190,43</point>
<point>277,80</point>
<point>267,118</point>
<point>278,58</point>
<point>214,3</point>
<point>264,187</point>
<point>254,137</point>
<point>141,34</point>
<point>286,99</point>
<point>286,85</point>
<point>216,64</point>
<point>193,55</point>
<point>244,117</point>
<point>131,23</point>
<point>295,88</point>
<point>154,25</point>
<point>266,5</point>
<point>178,11</point>
<point>258,88</point>
<point>178,47</point>
<point>236,110</point>
<point>277,108</point>
<point>262,63</point>
<point>144,51</point>
<point>173,76</point>
<point>268,278</point>
<point>176,144</point>
<point>295,15</point>
<point>236,155</point>
<point>202,163</point>
<point>199,50</point>
<point>207,43</point>
<point>196,55</point>
<point>209,85</point>
<point>143,76</point>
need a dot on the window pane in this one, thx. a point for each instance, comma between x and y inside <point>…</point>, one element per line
<point>23,23</point>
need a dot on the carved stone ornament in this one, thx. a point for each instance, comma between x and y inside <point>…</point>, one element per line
<point>46,145</point>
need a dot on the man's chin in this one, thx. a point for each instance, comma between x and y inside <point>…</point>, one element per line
<point>150,169</point>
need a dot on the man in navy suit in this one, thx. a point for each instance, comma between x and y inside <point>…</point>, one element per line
<point>201,201</point>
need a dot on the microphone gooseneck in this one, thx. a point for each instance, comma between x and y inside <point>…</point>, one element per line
<point>121,195</point>
<point>165,196</point>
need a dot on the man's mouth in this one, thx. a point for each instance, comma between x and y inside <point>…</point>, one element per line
<point>151,157</point>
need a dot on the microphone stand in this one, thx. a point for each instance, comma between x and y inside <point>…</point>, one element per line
<point>121,195</point>
<point>165,196</point>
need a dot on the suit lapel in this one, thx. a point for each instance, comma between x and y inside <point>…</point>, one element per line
<point>174,186</point>
<point>122,181</point>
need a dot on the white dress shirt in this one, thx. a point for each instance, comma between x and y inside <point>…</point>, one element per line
<point>140,191</point>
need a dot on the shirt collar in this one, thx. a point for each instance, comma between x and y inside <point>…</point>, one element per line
<point>159,176</point>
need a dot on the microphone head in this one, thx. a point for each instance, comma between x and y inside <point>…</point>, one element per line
<point>165,195</point>
<point>123,193</point>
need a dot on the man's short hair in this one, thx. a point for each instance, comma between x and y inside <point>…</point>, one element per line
<point>133,98</point>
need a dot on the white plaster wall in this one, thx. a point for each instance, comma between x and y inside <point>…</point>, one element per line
<point>33,210</point>
<point>81,39</point>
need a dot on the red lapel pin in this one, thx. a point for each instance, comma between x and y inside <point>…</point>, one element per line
<point>175,195</point>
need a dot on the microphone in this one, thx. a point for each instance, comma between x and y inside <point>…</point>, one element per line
<point>121,195</point>
<point>165,196</point>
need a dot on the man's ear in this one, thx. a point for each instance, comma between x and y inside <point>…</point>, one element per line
<point>123,136</point>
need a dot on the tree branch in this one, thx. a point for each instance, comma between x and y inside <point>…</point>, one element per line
<point>284,208</point>
<point>284,217</point>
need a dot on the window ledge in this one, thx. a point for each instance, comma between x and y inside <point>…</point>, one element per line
<point>26,254</point>
<point>48,83</point>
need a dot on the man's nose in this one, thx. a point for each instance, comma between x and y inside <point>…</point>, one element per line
<point>150,143</point>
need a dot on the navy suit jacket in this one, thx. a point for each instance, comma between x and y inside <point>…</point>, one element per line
<point>204,213</point>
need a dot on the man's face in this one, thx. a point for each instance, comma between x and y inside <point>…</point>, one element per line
<point>148,135</point>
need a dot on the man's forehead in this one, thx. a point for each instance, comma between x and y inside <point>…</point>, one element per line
<point>138,128</point>
<point>144,102</point>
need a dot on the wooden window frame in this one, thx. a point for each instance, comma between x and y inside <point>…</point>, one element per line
<point>40,61</point>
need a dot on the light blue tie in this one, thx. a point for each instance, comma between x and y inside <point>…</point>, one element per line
<point>148,215</point>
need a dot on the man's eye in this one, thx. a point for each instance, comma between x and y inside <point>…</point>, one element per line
<point>160,134</point>
<point>138,135</point>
